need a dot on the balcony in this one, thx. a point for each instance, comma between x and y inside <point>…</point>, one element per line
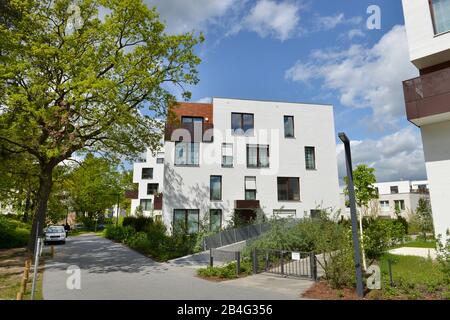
<point>158,202</point>
<point>132,194</point>
<point>246,204</point>
<point>427,97</point>
<point>189,132</point>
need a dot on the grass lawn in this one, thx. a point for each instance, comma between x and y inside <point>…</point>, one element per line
<point>418,243</point>
<point>12,263</point>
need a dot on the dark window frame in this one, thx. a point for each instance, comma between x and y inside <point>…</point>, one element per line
<point>188,155</point>
<point>402,205</point>
<point>159,160</point>
<point>394,190</point>
<point>293,127</point>
<point>232,156</point>
<point>146,177</point>
<point>210,220</point>
<point>259,147</point>
<point>145,200</point>
<point>249,190</point>
<point>314,158</point>
<point>152,184</point>
<point>186,218</point>
<point>211,189</point>
<point>287,185</point>
<point>241,114</point>
<point>433,20</point>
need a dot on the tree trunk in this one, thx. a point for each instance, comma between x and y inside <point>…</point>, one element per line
<point>45,187</point>
<point>363,252</point>
<point>26,211</point>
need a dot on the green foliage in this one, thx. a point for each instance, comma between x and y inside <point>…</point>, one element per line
<point>339,267</point>
<point>13,233</point>
<point>381,234</point>
<point>118,233</point>
<point>444,258</point>
<point>139,224</point>
<point>424,217</point>
<point>363,180</point>
<point>227,271</point>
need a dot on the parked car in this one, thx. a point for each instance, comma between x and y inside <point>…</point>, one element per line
<point>55,234</point>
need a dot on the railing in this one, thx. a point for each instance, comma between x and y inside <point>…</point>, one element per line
<point>189,132</point>
<point>428,94</point>
<point>227,237</point>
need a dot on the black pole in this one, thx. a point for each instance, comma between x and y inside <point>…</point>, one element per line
<point>351,196</point>
<point>117,218</point>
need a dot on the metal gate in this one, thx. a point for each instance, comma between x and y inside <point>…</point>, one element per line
<point>285,263</point>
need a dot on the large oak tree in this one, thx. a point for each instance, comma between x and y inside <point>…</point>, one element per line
<point>72,79</point>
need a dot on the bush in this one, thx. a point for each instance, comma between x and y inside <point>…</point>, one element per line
<point>139,242</point>
<point>443,258</point>
<point>118,233</point>
<point>139,224</point>
<point>13,233</point>
<point>227,271</point>
<point>381,234</point>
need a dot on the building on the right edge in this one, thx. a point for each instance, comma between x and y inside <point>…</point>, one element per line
<point>427,97</point>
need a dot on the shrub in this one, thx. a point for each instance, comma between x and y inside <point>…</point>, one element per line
<point>380,234</point>
<point>227,271</point>
<point>118,233</point>
<point>139,241</point>
<point>13,233</point>
<point>139,224</point>
<point>443,258</point>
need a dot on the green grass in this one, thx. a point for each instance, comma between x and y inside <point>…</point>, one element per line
<point>414,278</point>
<point>420,244</point>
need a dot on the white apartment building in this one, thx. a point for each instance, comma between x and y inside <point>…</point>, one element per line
<point>427,97</point>
<point>396,196</point>
<point>244,156</point>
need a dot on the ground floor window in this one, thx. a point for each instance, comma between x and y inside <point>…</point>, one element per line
<point>215,219</point>
<point>288,189</point>
<point>250,188</point>
<point>384,205</point>
<point>146,204</point>
<point>186,220</point>
<point>399,205</point>
<point>315,213</point>
<point>285,213</point>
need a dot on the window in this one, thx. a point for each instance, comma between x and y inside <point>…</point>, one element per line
<point>147,173</point>
<point>250,188</point>
<point>215,219</point>
<point>285,213</point>
<point>399,205</point>
<point>152,188</point>
<point>288,126</point>
<point>384,205</point>
<point>146,204</point>
<point>394,189</point>
<point>187,153</point>
<point>242,123</point>
<point>315,213</point>
<point>159,160</point>
<point>215,188</point>
<point>288,189</point>
<point>441,15</point>
<point>310,158</point>
<point>186,220</point>
<point>257,156</point>
<point>227,155</point>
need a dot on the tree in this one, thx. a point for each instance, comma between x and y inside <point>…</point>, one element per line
<point>424,217</point>
<point>365,191</point>
<point>71,81</point>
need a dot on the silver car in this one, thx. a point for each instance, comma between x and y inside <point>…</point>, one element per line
<point>55,234</point>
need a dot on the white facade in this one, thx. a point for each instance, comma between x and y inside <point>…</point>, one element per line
<point>395,196</point>
<point>428,29</point>
<point>188,187</point>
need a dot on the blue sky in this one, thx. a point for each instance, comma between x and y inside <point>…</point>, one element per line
<point>317,51</point>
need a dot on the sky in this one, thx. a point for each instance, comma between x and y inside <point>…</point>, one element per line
<point>316,51</point>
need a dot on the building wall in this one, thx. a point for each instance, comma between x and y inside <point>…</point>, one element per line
<point>426,49</point>
<point>188,187</point>
<point>158,177</point>
<point>436,144</point>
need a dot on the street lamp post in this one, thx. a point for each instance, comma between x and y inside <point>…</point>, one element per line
<point>118,210</point>
<point>351,195</point>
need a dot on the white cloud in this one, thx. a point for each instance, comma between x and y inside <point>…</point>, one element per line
<point>364,77</point>
<point>205,100</point>
<point>269,18</point>
<point>183,16</point>
<point>324,23</point>
<point>398,156</point>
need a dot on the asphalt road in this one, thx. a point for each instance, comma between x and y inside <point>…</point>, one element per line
<point>111,271</point>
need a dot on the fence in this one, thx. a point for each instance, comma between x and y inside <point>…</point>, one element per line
<point>231,236</point>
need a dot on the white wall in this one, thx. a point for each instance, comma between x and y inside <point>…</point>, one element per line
<point>158,177</point>
<point>436,143</point>
<point>188,188</point>
<point>425,48</point>
<point>385,187</point>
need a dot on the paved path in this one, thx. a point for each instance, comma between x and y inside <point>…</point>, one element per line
<point>113,271</point>
<point>418,252</point>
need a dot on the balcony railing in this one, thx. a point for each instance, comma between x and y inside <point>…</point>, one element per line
<point>428,94</point>
<point>158,202</point>
<point>247,204</point>
<point>192,132</point>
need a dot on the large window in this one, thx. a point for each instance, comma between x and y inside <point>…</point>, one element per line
<point>289,127</point>
<point>187,153</point>
<point>394,189</point>
<point>384,204</point>
<point>147,173</point>
<point>227,155</point>
<point>441,15</point>
<point>250,188</point>
<point>399,205</point>
<point>215,219</point>
<point>242,123</point>
<point>146,204</point>
<point>152,188</point>
<point>215,188</point>
<point>288,189</point>
<point>186,220</point>
<point>310,158</point>
<point>257,156</point>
